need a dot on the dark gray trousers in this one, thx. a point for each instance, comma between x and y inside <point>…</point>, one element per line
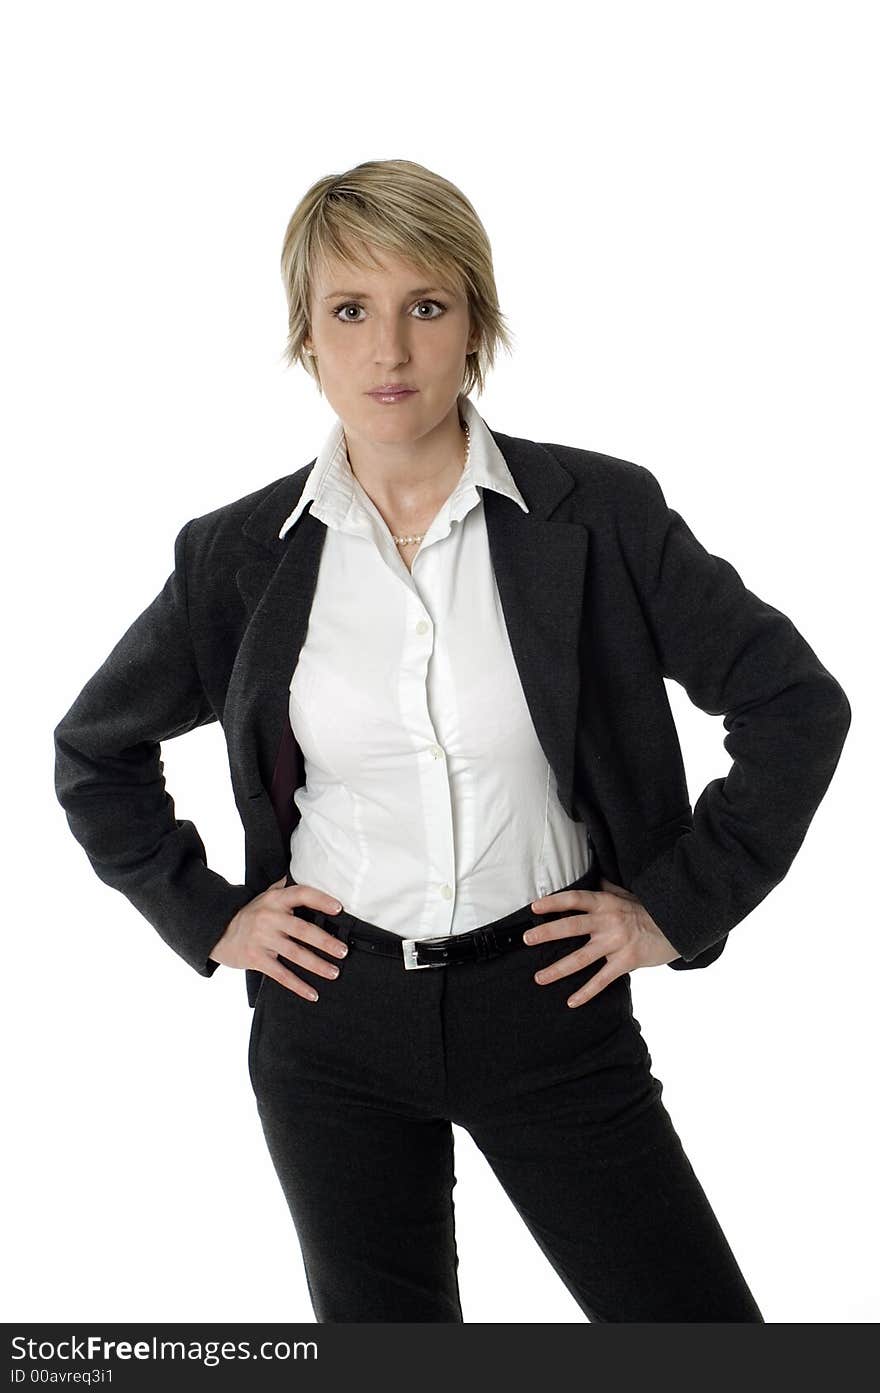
<point>357,1092</point>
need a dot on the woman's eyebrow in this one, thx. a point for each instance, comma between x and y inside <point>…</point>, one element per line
<point>361,295</point>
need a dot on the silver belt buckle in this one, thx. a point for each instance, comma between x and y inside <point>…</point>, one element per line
<point>409,952</point>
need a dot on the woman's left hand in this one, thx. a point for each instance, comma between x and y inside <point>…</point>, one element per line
<point>620,929</point>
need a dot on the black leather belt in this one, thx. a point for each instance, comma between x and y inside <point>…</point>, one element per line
<point>477,945</point>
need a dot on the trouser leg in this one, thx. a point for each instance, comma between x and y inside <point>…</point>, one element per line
<point>568,1114</point>
<point>633,1238</point>
<point>367,1175</point>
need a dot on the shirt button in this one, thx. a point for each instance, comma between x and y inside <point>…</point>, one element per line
<point>436,751</point>
<point>446,891</point>
<point>422,626</point>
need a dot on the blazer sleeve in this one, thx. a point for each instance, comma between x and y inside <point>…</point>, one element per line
<point>109,777</point>
<point>786,719</point>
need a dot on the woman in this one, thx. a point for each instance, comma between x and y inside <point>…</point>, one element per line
<point>437,653</point>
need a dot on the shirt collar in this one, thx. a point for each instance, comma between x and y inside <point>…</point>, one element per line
<point>331,489</point>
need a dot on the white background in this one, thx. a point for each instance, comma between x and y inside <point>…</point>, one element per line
<point>680,203</point>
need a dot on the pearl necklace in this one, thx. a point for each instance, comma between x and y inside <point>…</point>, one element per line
<point>419,537</point>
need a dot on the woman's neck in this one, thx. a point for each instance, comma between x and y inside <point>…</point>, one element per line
<point>405,483</point>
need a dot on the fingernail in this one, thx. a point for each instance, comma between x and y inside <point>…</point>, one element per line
<point>529,936</point>
<point>340,950</point>
<point>336,906</point>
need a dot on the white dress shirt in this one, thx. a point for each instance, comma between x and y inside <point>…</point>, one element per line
<point>428,807</point>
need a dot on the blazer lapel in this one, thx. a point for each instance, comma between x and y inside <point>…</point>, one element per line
<point>277,590</point>
<point>540,571</point>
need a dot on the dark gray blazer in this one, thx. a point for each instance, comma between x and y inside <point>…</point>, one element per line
<point>605,592</point>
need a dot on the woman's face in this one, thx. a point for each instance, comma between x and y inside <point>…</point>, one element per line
<point>372,327</point>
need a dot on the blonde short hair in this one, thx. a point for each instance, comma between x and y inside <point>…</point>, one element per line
<point>406,209</point>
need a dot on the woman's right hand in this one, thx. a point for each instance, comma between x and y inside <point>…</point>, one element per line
<point>265,927</point>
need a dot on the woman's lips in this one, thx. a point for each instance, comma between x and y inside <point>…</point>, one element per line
<point>391,397</point>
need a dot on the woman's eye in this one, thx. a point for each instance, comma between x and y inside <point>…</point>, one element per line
<point>352,305</point>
